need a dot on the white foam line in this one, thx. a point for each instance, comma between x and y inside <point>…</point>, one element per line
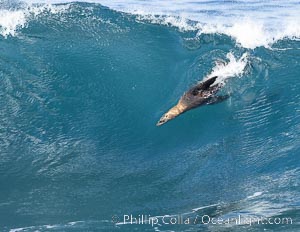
<point>69,224</point>
<point>256,194</point>
<point>204,207</point>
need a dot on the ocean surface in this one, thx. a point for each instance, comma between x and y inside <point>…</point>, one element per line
<point>82,85</point>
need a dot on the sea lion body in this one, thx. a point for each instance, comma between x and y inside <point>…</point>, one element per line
<point>202,93</point>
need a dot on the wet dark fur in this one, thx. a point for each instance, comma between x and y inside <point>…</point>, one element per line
<point>203,93</point>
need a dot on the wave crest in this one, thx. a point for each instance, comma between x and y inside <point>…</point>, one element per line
<point>248,31</point>
<point>12,20</point>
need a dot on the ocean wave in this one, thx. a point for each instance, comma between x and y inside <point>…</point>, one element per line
<point>248,30</point>
<point>82,86</point>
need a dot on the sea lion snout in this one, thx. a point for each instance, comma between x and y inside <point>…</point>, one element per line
<point>161,121</point>
<point>172,113</point>
<point>165,118</point>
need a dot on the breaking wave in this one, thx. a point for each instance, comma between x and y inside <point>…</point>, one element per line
<point>82,85</point>
<point>250,28</point>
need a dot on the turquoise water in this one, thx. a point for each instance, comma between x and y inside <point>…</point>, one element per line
<point>81,89</point>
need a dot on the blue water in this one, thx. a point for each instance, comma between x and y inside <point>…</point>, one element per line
<point>81,90</point>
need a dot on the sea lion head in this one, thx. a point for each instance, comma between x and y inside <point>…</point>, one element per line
<point>166,117</point>
<point>172,113</point>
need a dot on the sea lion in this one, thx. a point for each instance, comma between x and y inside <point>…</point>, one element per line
<point>201,94</point>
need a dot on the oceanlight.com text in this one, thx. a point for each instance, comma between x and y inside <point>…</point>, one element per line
<point>143,219</point>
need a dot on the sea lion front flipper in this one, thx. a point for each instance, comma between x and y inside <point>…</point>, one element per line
<point>206,84</point>
<point>217,99</point>
<point>202,86</point>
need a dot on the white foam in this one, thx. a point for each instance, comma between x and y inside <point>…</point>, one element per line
<point>204,207</point>
<point>13,20</point>
<point>248,33</point>
<point>251,34</point>
<point>168,20</point>
<point>35,228</point>
<point>17,229</point>
<point>251,23</point>
<point>256,194</point>
<point>10,21</point>
<point>234,67</point>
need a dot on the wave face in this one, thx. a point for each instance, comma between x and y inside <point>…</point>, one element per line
<point>82,86</point>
